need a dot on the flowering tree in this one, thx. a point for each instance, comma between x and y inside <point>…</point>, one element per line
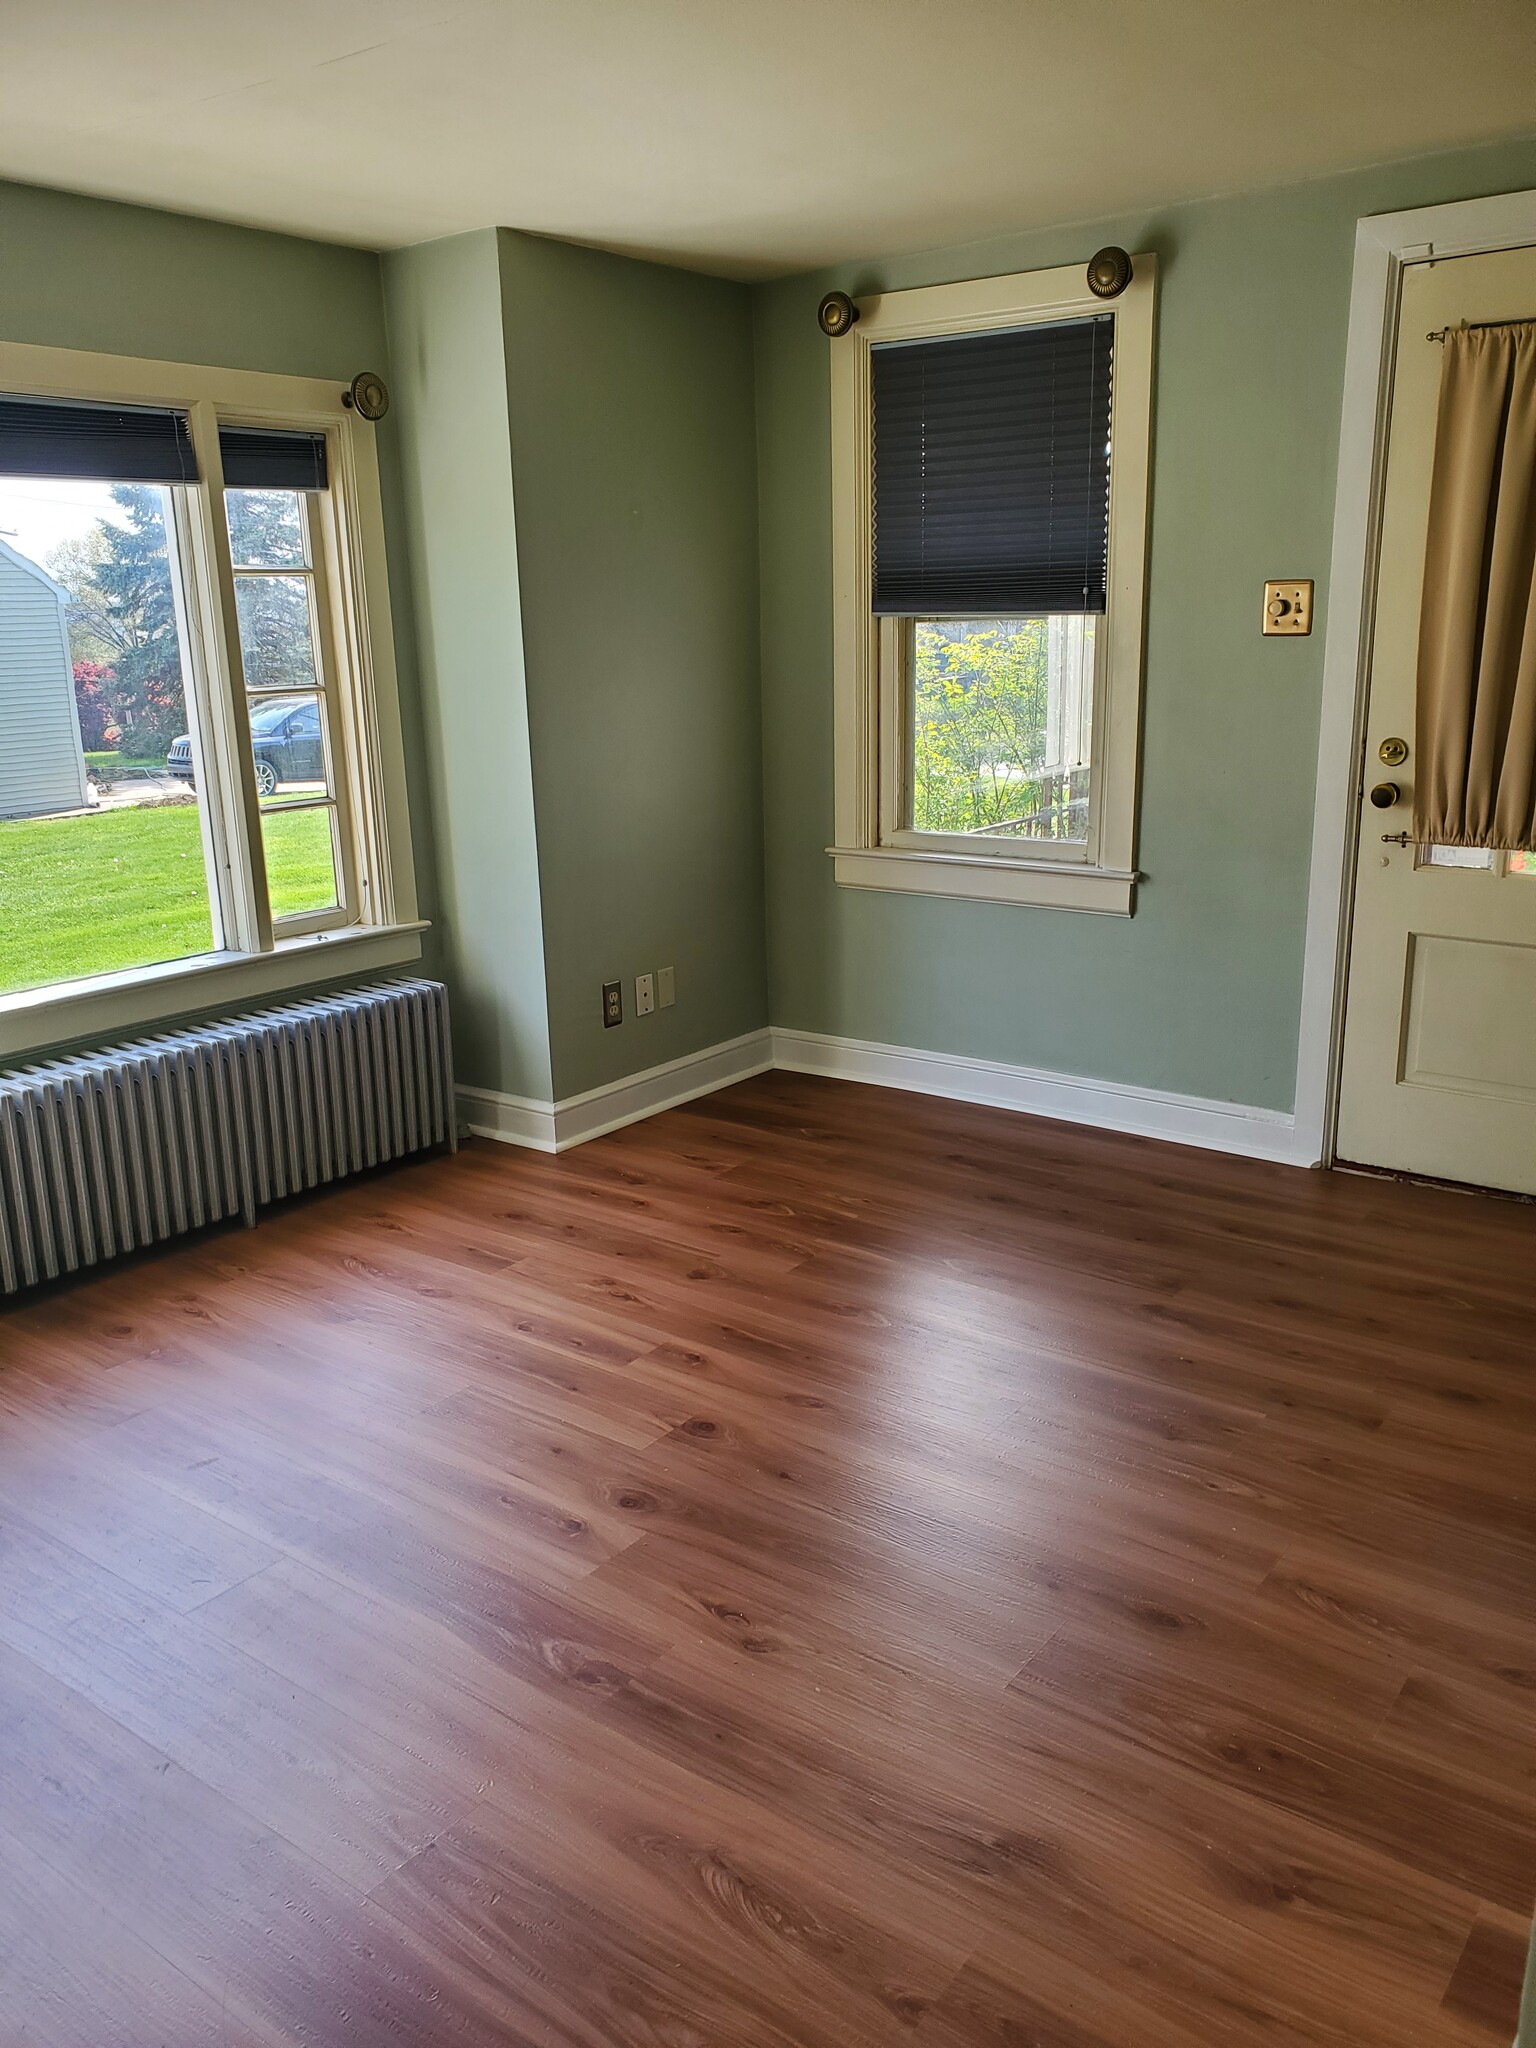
<point>94,682</point>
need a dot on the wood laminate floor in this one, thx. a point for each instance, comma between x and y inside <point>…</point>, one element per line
<point>819,1567</point>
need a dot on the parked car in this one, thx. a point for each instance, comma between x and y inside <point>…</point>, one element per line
<point>285,738</point>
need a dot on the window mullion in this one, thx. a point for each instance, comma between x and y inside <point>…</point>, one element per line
<point>231,766</point>
<point>199,697</point>
<point>343,753</point>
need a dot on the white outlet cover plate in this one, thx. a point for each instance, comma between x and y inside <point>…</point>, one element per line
<point>666,988</point>
<point>645,994</point>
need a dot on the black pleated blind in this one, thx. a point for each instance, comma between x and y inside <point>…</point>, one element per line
<point>272,459</point>
<point>991,484</point>
<point>129,444</point>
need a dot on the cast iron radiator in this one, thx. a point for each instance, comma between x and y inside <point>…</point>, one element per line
<point>103,1152</point>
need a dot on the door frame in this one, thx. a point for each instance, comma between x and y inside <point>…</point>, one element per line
<point>1385,243</point>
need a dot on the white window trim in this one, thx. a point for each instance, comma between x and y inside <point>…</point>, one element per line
<point>867,852</point>
<point>249,960</point>
<point>105,1004</point>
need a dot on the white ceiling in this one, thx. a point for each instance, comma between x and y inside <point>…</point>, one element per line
<point>749,139</point>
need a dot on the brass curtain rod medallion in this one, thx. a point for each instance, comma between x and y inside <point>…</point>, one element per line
<point>836,314</point>
<point>1109,272</point>
<point>367,395</point>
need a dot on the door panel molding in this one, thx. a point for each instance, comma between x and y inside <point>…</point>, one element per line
<point>1498,978</point>
<point>1384,244</point>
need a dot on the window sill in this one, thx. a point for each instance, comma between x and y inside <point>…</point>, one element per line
<point>1051,885</point>
<point>110,1004</point>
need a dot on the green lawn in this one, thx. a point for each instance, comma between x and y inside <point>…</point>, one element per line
<point>115,763</point>
<point>87,895</point>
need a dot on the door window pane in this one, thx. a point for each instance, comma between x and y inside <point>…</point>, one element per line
<point>1002,718</point>
<point>101,848</point>
<point>1457,857</point>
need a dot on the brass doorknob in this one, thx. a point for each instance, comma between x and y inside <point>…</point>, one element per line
<point>1385,795</point>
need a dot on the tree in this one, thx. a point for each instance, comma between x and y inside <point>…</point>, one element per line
<point>264,533</point>
<point>978,723</point>
<point>122,608</point>
<point>94,635</point>
<point>122,613</point>
<point>93,684</point>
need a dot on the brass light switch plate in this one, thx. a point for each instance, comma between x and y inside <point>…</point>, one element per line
<point>1288,606</point>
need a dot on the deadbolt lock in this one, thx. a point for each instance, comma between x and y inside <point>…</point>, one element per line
<point>1393,752</point>
<point>1385,795</point>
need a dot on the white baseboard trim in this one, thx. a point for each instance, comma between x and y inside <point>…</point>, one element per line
<point>510,1119</point>
<point>580,1117</point>
<point>1107,1105</point>
<point>556,1126</point>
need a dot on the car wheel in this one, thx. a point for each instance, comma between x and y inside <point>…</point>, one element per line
<point>266,778</point>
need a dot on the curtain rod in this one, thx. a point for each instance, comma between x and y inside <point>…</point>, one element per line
<point>1474,327</point>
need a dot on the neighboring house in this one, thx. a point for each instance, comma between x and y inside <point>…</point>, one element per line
<point>42,764</point>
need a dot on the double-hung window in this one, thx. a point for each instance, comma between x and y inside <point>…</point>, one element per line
<point>201,783</point>
<point>990,453</point>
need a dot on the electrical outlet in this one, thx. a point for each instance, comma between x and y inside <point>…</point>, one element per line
<point>613,1004</point>
<point>645,994</point>
<point>666,988</point>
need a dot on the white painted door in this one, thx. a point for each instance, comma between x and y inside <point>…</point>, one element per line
<point>1439,1067</point>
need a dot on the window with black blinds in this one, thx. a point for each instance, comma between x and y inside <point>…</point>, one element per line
<point>991,472</point>
<point>140,444</point>
<point>272,459</point>
<point>115,444</point>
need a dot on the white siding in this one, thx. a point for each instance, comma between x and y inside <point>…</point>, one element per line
<point>41,765</point>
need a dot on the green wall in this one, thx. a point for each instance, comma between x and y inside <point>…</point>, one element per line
<point>631,399</point>
<point>127,280</point>
<point>570,506</point>
<point>444,303</point>
<point>1199,992</point>
<point>613,518</point>
<point>88,273</point>
<point>578,439</point>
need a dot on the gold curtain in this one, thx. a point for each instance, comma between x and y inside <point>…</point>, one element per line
<point>1475,782</point>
